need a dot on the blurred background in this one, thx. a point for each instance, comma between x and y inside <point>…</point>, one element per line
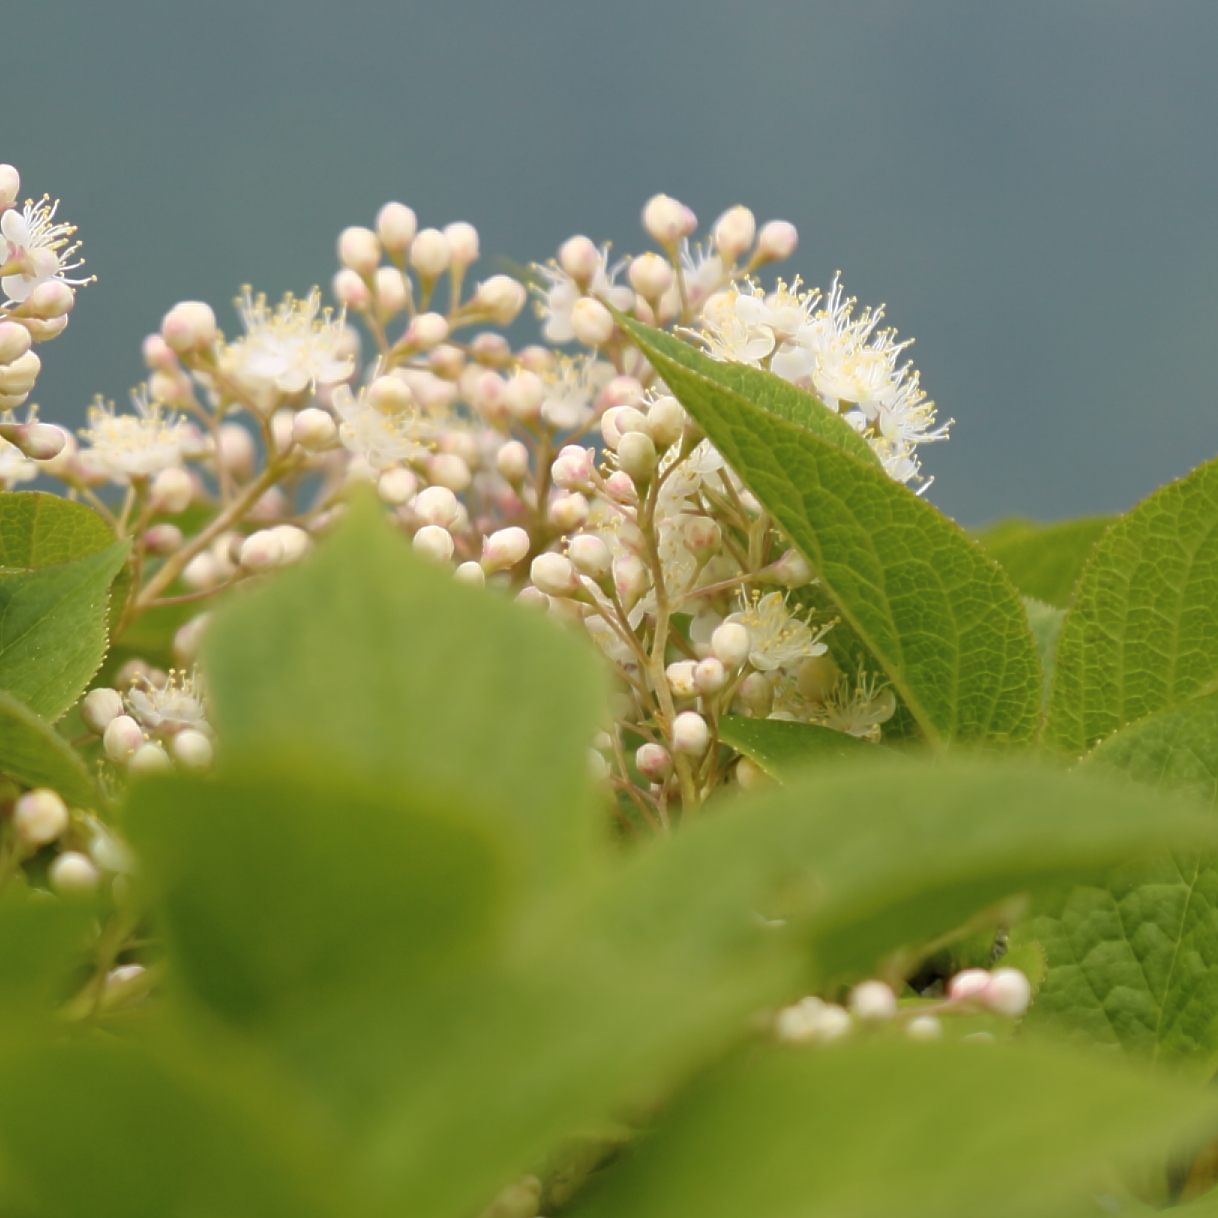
<point>1032,188</point>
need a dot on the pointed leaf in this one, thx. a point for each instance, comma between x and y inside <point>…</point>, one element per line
<point>41,530</point>
<point>782,748</point>
<point>35,754</point>
<point>1044,561</point>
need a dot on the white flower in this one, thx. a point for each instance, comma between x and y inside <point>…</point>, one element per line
<point>290,349</point>
<point>556,300</point>
<point>15,466</point>
<point>858,711</point>
<point>779,639</point>
<point>174,707</point>
<point>37,249</point>
<point>382,439</point>
<point>139,445</point>
<point>570,387</point>
<point>703,272</point>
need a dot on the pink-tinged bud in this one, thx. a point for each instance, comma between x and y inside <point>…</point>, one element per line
<point>39,441</point>
<point>360,249</point>
<point>281,428</point>
<point>392,291</point>
<point>710,676</point>
<point>554,574</point>
<point>315,429</point>
<point>792,570</point>
<point>776,241</point>
<point>100,708</point>
<point>617,421</point>
<point>574,469</point>
<point>592,322</point>
<point>621,391</point>
<point>158,355</point>
<point>351,291</point>
<point>14,341</point>
<point>43,331</point>
<point>666,421</point>
<point>10,185</point>
<point>390,395</point>
<point>580,258</point>
<point>756,695</point>
<point>192,749</point>
<point>690,734</point>
<point>437,505</point>
<point>702,537</point>
<point>235,450</point>
<point>665,220</point>
<point>590,556</point>
<point>447,469</point>
<point>261,551</point>
<point>189,327</point>
<point>630,578</point>
<point>491,349</point>
<point>430,253</point>
<point>653,762</point>
<point>568,512</point>
<point>970,983</point>
<point>621,487</point>
<point>636,456</point>
<point>434,542</point>
<point>397,486</point>
<point>73,874</point>
<point>486,393</point>
<point>121,738</point>
<point>733,233</point>
<point>294,540</point>
<point>731,644</point>
<point>396,226</point>
<point>651,276</point>
<point>462,243</point>
<point>49,301</point>
<point>171,492</point>
<point>532,598</point>
<point>501,297</point>
<point>427,330</point>
<point>680,678</point>
<point>505,548</point>
<point>202,573</point>
<point>446,361</point>
<point>163,539</point>
<point>19,376</point>
<point>1008,992</point>
<point>512,461</point>
<point>149,758</point>
<point>924,1028</point>
<point>873,1001</point>
<point>188,638</point>
<point>470,573</point>
<point>537,359</point>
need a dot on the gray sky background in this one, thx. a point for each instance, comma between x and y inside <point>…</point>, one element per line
<point>1031,187</point>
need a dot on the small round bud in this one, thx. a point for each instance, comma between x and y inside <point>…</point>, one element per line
<point>121,738</point>
<point>392,290</point>
<point>187,639</point>
<point>73,874</point>
<point>833,1024</point>
<point>163,539</point>
<point>100,708</point>
<point>427,330</point>
<point>580,258</point>
<point>430,253</point>
<point>568,512</point>
<point>49,301</point>
<point>590,556</point>
<point>591,322</point>
<point>44,331</point>
<point>10,185</point>
<point>261,551</point>
<point>235,450</point>
<point>396,226</point>
<point>315,429</point>
<point>505,548</point>
<point>447,469</point>
<point>636,455</point>
<point>360,249</point>
<point>189,327</point>
<point>501,297</point>
<point>19,376</point>
<point>434,542</point>
<point>651,275</point>
<point>776,241</point>
<point>1008,992</point>
<point>792,570</point>
<point>690,734</point>
<point>710,676</point>
<point>968,984</point>
<point>471,573</point>
<point>733,232</point>
<point>702,536</point>
<point>666,220</point>
<point>202,572</point>
<point>873,1001</point>
<point>158,355</point>
<point>293,540</point>
<point>437,505</point>
<point>171,492</point>
<point>618,421</point>
<point>351,291</point>
<point>397,486</point>
<point>532,598</point>
<point>731,644</point>
<point>756,695</point>
<point>665,421</point>
<point>653,762</point>
<point>14,341</point>
<point>462,243</point>
<point>39,816</point>
<point>598,767</point>
<point>630,579</point>
<point>680,678</point>
<point>574,469</point>
<point>751,776</point>
<point>192,749</point>
<point>817,677</point>
<point>390,395</point>
<point>554,575</point>
<point>924,1028</point>
<point>512,461</point>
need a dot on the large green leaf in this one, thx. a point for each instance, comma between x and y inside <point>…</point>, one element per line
<point>935,612</point>
<point>370,658</point>
<point>53,628</point>
<point>782,748</point>
<point>1044,561</point>
<point>33,753</point>
<point>41,530</point>
<point>43,944</point>
<point>878,1129</point>
<point>1142,631</point>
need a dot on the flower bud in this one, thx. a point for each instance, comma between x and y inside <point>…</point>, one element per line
<point>651,275</point>
<point>447,469</point>
<point>710,676</point>
<point>314,429</point>
<point>462,243</point>
<point>351,291</point>
<point>702,536</point>
<point>580,258</point>
<point>1008,992</point>
<point>636,456</point>
<point>187,639</point>
<point>817,677</point>
<point>512,461</point>
<point>390,395</point>
<point>437,505</point>
<point>430,253</point>
<point>617,421</point>
<point>665,421</point>
<point>873,1001</point>
<point>202,572</point>
<point>44,331</point>
<point>751,776</point>
<point>124,986</point>
<point>39,817</point>
<point>505,548</point>
<point>192,749</point>
<point>554,575</point>
<point>792,570</point>
<point>73,874</point>
<point>189,327</point>
<point>590,556</point>
<point>10,185</point>
<point>294,541</point>
<point>427,330</point>
<point>924,1028</point>
<point>733,233</point>
<point>630,578</point>
<point>397,486</point>
<point>121,738</point>
<point>261,551</point>
<point>360,249</point>
<point>49,301</point>
<point>471,573</point>
<point>968,984</point>
<point>690,734</point>
<point>776,241</point>
<point>568,512</point>
<point>19,376</point>
<point>574,469</point>
<point>14,341</point>
<point>756,695</point>
<point>171,492</point>
<point>621,487</point>
<point>591,322</point>
<point>434,542</point>
<point>731,644</point>
<point>501,297</point>
<point>680,678</point>
<point>665,220</point>
<point>100,708</point>
<point>235,450</point>
<point>392,290</point>
<point>396,226</point>
<point>653,762</point>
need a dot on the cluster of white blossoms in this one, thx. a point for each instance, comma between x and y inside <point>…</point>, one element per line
<point>569,479</point>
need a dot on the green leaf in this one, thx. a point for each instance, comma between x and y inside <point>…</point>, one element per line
<point>41,530</point>
<point>53,628</point>
<point>1142,631</point>
<point>1044,561</point>
<point>33,753</point>
<point>1045,622</point>
<point>936,614</point>
<point>783,749</point>
<point>872,1130</point>
<point>43,943</point>
<point>371,659</point>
